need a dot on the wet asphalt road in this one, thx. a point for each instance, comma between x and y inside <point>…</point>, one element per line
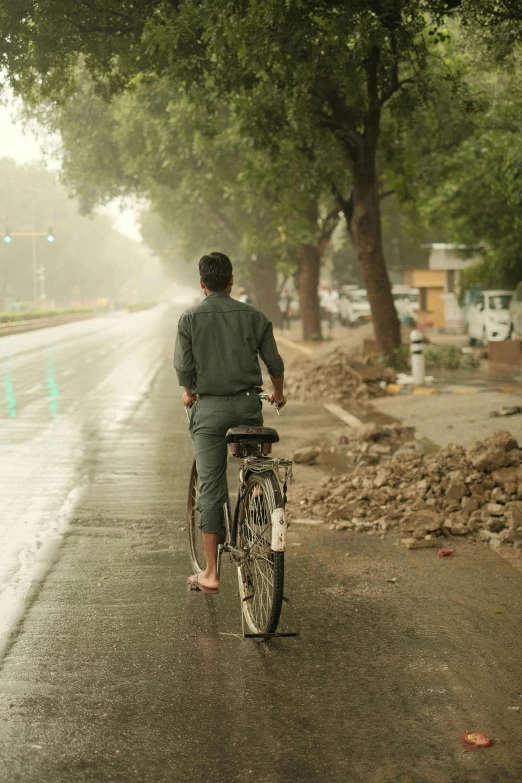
<point>112,671</point>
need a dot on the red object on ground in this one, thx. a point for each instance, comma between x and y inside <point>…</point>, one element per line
<point>476,740</point>
<point>445,552</point>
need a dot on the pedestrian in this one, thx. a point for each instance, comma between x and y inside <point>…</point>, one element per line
<point>285,310</point>
<point>242,296</point>
<point>330,305</point>
<point>216,360</point>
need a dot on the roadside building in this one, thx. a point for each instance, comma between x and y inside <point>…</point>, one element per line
<point>438,304</point>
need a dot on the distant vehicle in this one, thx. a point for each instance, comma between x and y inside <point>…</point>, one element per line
<point>406,300</point>
<point>354,307</point>
<point>489,317</point>
<point>516,313</point>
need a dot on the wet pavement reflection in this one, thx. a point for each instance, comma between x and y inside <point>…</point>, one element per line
<point>116,673</point>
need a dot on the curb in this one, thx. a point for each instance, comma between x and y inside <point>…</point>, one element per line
<point>43,323</point>
<point>395,389</point>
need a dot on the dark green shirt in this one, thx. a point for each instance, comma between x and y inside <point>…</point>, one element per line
<point>218,344</point>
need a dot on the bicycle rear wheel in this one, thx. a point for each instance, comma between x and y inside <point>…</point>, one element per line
<point>261,576</point>
<point>197,555</point>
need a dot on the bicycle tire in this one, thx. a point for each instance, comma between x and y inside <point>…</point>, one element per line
<point>197,555</point>
<point>261,578</point>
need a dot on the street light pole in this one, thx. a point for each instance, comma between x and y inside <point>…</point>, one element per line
<point>35,282</point>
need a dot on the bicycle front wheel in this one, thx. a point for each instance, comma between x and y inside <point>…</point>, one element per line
<point>196,551</point>
<point>261,575</point>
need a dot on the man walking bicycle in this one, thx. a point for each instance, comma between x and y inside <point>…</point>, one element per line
<point>216,360</point>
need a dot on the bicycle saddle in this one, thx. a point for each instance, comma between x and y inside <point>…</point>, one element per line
<point>253,434</point>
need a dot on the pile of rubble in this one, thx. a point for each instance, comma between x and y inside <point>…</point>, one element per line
<point>474,491</point>
<point>339,377</point>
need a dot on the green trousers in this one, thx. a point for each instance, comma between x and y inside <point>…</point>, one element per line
<point>211,418</point>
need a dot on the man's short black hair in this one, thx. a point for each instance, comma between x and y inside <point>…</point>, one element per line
<point>215,270</point>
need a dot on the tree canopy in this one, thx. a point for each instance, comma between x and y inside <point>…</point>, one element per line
<point>290,111</point>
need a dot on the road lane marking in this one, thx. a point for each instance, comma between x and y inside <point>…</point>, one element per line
<point>34,389</point>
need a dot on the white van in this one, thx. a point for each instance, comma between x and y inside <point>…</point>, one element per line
<point>489,318</point>
<point>354,307</point>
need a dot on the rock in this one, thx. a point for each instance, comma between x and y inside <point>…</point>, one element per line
<point>306,456</point>
<point>321,494</point>
<point>459,529</point>
<point>494,509</point>
<point>495,542</point>
<point>380,479</point>
<point>428,519</point>
<point>455,475</point>
<point>379,448</point>
<point>507,476</point>
<point>490,459</point>
<point>469,504</point>
<point>498,495</point>
<point>412,543</point>
<point>456,490</point>
<point>485,535</point>
<point>502,439</point>
<point>495,524</point>
<point>513,513</point>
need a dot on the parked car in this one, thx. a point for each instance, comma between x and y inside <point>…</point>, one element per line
<point>489,317</point>
<point>406,300</point>
<point>354,307</point>
<point>516,313</point>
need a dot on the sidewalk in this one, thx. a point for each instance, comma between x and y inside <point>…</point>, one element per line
<point>453,418</point>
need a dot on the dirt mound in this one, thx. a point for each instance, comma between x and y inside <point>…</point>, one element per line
<point>474,491</point>
<point>338,376</point>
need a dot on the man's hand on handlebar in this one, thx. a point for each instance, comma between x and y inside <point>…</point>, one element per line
<point>276,403</point>
<point>188,399</point>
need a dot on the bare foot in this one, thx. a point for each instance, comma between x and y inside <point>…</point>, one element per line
<point>203,582</point>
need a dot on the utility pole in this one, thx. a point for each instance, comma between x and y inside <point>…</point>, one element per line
<point>41,277</point>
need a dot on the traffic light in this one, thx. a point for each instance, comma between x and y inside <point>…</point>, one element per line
<point>7,236</point>
<point>50,235</point>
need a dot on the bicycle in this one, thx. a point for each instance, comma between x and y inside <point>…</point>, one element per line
<point>255,535</point>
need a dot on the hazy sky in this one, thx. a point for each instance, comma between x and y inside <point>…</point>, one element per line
<point>22,145</point>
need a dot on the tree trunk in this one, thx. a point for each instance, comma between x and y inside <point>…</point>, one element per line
<point>307,283</point>
<point>365,229</point>
<point>263,274</point>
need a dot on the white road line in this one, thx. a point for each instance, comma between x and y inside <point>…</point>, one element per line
<point>34,389</point>
<point>352,421</point>
<point>67,372</point>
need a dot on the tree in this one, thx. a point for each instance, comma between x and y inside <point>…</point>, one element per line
<point>475,194</point>
<point>327,79</point>
<point>209,185</point>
